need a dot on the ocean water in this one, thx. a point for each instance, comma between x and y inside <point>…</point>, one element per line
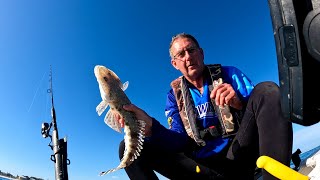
<point>306,155</point>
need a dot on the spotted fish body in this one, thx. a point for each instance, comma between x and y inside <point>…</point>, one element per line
<point>112,94</point>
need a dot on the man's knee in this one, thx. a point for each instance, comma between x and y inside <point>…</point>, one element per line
<point>267,88</point>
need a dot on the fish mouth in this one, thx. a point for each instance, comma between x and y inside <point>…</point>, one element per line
<point>97,70</point>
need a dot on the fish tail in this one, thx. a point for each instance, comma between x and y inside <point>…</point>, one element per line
<point>133,147</point>
<point>109,171</point>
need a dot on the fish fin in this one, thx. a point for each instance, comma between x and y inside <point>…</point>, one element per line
<point>125,85</point>
<point>102,107</point>
<point>112,122</point>
<point>142,125</point>
<point>141,136</point>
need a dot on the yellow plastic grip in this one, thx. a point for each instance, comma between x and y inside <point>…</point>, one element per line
<point>278,169</point>
<point>197,169</point>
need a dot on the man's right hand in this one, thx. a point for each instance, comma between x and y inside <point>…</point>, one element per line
<point>140,115</point>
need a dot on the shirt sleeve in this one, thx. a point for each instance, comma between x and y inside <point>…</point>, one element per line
<point>172,114</point>
<point>239,81</point>
<point>166,139</point>
<point>174,138</point>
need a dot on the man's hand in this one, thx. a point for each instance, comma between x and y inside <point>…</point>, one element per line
<point>225,94</point>
<point>140,115</point>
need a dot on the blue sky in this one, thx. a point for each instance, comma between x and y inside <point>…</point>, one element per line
<point>129,37</point>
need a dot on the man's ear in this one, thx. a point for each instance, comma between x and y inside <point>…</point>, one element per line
<point>174,64</point>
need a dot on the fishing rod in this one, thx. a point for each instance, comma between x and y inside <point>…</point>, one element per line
<point>59,146</point>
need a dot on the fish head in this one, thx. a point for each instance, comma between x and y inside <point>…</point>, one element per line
<point>107,79</point>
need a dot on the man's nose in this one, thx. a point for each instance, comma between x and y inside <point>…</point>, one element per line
<point>186,55</point>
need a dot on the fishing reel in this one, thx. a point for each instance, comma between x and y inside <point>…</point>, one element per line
<point>45,129</point>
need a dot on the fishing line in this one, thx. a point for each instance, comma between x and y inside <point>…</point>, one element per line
<point>47,103</point>
<point>35,94</point>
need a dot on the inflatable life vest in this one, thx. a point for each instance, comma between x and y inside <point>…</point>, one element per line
<point>229,120</point>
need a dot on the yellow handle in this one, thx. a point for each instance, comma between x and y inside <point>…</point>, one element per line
<point>278,169</point>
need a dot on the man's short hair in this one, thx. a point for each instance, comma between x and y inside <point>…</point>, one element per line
<point>182,35</point>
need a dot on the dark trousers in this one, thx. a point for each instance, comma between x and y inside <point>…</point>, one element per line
<point>263,131</point>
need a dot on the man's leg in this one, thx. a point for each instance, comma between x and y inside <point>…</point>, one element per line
<point>139,169</point>
<point>263,126</point>
<point>170,165</point>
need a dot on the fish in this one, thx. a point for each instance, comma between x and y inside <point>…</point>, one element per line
<point>113,96</point>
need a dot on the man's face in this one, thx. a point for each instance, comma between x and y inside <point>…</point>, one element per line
<point>187,58</point>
